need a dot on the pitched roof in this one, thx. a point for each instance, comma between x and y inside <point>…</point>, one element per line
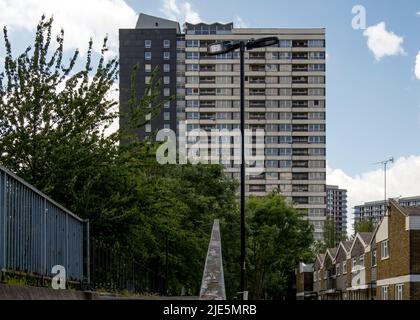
<point>366,236</point>
<point>411,211</point>
<point>347,245</point>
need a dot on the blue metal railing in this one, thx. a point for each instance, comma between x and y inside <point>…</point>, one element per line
<point>37,233</point>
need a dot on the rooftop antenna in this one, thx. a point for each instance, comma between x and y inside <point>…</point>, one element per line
<point>385,164</point>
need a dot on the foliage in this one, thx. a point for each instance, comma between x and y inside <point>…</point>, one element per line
<point>331,237</point>
<point>364,226</point>
<point>53,134</point>
<point>278,239</point>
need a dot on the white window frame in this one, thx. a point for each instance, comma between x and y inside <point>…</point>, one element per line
<point>147,44</point>
<point>166,116</point>
<point>385,293</point>
<point>166,80</point>
<point>148,67</point>
<point>166,67</point>
<point>385,250</point>
<point>166,92</point>
<point>148,56</point>
<point>353,263</point>
<point>337,270</point>
<point>344,267</point>
<point>166,55</point>
<point>374,256</point>
<point>166,44</point>
<point>362,259</point>
<point>399,291</point>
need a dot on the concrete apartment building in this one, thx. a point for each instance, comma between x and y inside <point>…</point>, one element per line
<point>284,92</point>
<point>337,209</point>
<point>383,265</point>
<point>376,210</point>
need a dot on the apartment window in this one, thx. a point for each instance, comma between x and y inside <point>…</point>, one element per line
<point>148,44</point>
<point>166,116</point>
<point>193,55</point>
<point>166,67</point>
<point>147,79</point>
<point>167,105</point>
<point>166,55</point>
<point>344,267</point>
<point>315,274</point>
<point>285,55</point>
<point>399,289</point>
<point>166,126</point>
<point>317,67</point>
<point>148,55</point>
<point>271,175</point>
<point>148,128</point>
<point>385,249</point>
<point>166,44</point>
<point>316,43</point>
<point>193,67</point>
<point>353,263</point>
<point>193,103</point>
<point>362,260</point>
<point>337,270</point>
<point>193,115</point>
<point>148,67</point>
<point>166,92</point>
<point>285,43</point>
<point>384,293</point>
<point>166,80</point>
<point>193,43</point>
<point>374,258</point>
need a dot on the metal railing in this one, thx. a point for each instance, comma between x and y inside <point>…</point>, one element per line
<point>112,269</point>
<point>37,233</point>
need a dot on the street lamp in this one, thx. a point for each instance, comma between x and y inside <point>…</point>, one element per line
<point>221,48</point>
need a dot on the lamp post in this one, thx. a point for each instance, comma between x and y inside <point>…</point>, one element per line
<point>221,48</point>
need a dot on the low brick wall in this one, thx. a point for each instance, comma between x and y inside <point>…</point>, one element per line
<point>11,292</point>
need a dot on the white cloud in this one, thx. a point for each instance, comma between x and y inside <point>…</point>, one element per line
<point>240,23</point>
<point>382,42</point>
<point>418,13</point>
<point>402,178</point>
<point>417,66</point>
<point>182,12</point>
<point>80,19</point>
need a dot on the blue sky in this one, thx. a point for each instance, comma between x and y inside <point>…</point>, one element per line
<point>373,107</point>
<point>373,104</point>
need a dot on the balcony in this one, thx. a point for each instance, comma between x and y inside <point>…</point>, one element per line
<point>300,104</point>
<point>257,104</point>
<point>300,55</point>
<point>300,80</point>
<point>300,92</point>
<point>300,43</point>
<point>257,116</point>
<point>207,68</point>
<point>257,55</point>
<point>257,80</point>
<point>300,68</point>
<point>300,116</point>
<point>257,92</point>
<point>257,67</point>
<point>207,80</point>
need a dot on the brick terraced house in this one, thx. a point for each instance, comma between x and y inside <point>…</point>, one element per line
<point>383,265</point>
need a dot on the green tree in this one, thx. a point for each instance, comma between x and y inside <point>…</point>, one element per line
<point>53,122</point>
<point>331,236</point>
<point>278,239</point>
<point>364,226</point>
